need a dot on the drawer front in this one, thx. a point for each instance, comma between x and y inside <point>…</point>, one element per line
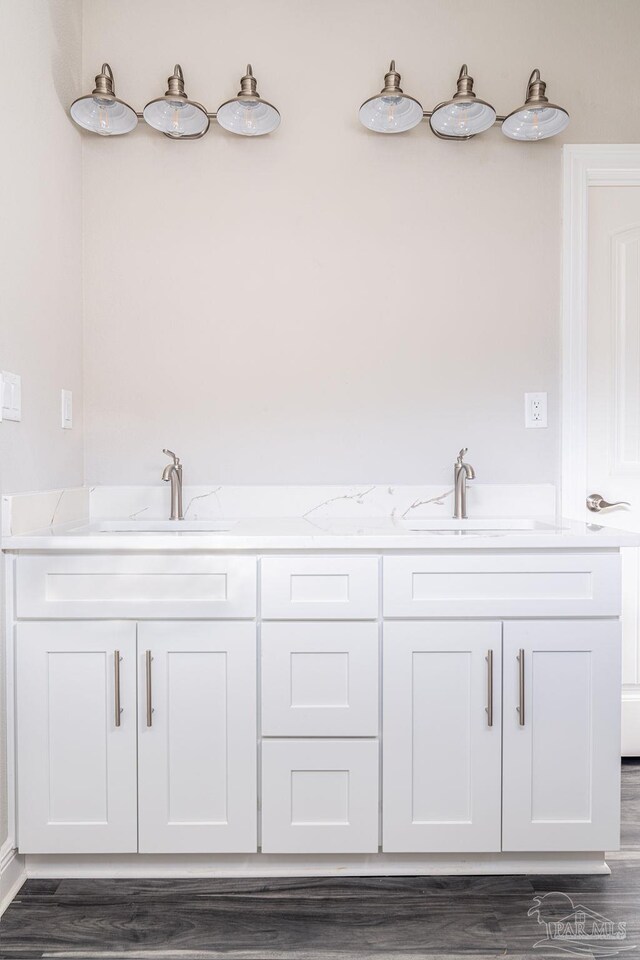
<point>320,588</point>
<point>320,679</point>
<point>320,796</point>
<point>138,586</point>
<point>508,585</point>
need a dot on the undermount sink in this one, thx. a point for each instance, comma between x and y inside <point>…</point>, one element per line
<point>164,526</point>
<point>486,523</point>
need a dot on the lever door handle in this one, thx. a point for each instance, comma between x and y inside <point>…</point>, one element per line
<point>596,503</point>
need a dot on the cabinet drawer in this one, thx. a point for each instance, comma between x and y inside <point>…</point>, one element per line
<point>320,796</point>
<point>540,584</point>
<point>320,679</point>
<point>138,586</point>
<point>320,588</point>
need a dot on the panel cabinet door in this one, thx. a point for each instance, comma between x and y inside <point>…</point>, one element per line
<point>561,735</point>
<point>441,737</point>
<point>77,750</point>
<point>197,746</point>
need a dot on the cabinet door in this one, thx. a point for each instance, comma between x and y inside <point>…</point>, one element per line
<point>561,735</point>
<point>441,737</point>
<point>197,746</point>
<point>77,752</point>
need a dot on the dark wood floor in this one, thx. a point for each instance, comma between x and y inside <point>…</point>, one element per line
<point>324,919</point>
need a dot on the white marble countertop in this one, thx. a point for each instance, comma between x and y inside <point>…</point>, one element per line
<point>287,534</point>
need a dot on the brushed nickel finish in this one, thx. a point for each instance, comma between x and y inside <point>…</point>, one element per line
<point>596,503</point>
<point>175,91</point>
<point>464,94</point>
<point>535,97</point>
<point>105,89</point>
<point>520,707</point>
<point>148,658</point>
<point>489,707</point>
<point>248,92</point>
<point>461,473</point>
<point>172,474</point>
<point>392,88</point>
<point>116,684</point>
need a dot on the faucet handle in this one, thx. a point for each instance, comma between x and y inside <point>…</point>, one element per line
<point>170,453</point>
<point>462,454</point>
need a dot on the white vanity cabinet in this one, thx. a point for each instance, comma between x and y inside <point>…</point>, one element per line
<point>561,729</point>
<point>442,740</point>
<point>197,757</point>
<point>391,710</point>
<point>76,737</point>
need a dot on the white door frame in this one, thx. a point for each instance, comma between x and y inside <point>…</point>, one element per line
<point>586,165</point>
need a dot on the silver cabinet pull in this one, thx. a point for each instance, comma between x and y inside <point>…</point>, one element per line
<point>116,684</point>
<point>520,707</point>
<point>148,659</point>
<point>596,503</point>
<point>489,706</point>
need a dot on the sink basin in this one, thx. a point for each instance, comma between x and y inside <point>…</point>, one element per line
<point>164,526</point>
<point>485,523</point>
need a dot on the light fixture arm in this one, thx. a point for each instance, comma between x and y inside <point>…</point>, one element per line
<point>105,85</point>
<point>175,83</point>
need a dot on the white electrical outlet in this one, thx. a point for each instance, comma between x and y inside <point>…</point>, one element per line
<point>67,409</point>
<point>11,396</point>
<point>535,410</point>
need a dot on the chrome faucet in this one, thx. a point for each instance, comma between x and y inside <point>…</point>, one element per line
<point>173,472</point>
<point>461,473</point>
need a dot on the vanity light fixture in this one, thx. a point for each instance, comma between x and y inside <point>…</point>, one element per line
<point>391,110</point>
<point>102,112</point>
<point>536,119</point>
<point>247,114</point>
<point>174,114</point>
<point>464,116</point>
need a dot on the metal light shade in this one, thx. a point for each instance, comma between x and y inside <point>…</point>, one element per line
<point>464,115</point>
<point>248,114</point>
<point>102,112</point>
<point>391,111</point>
<point>537,119</point>
<point>174,114</point>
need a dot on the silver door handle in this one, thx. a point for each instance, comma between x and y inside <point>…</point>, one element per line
<point>116,684</point>
<point>520,707</point>
<point>596,503</point>
<point>489,706</point>
<point>148,659</point>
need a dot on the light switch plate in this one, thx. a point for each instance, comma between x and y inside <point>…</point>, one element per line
<point>535,411</point>
<point>66,409</point>
<point>11,396</point>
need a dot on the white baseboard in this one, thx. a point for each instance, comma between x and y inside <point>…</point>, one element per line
<point>12,874</point>
<point>631,721</point>
<point>155,866</point>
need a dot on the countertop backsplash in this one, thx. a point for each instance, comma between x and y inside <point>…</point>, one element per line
<point>26,512</point>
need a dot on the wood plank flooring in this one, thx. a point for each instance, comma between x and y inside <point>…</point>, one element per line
<point>386,918</point>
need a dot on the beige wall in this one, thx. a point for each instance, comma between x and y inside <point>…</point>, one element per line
<point>40,253</point>
<point>326,304</point>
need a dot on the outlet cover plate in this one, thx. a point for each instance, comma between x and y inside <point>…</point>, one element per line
<point>535,411</point>
<point>66,409</point>
<point>11,396</point>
